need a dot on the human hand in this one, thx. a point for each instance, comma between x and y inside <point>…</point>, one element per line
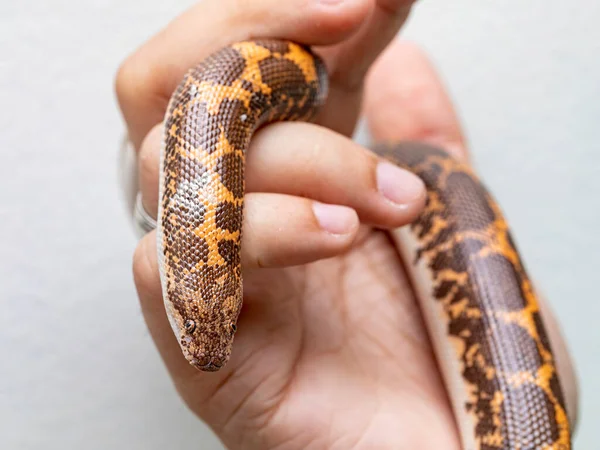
<point>331,350</point>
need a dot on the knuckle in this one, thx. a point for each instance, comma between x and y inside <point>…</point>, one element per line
<point>148,159</point>
<point>140,267</point>
<point>126,78</point>
<point>134,78</point>
<point>145,270</point>
<point>139,262</point>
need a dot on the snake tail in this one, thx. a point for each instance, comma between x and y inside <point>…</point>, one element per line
<point>481,310</point>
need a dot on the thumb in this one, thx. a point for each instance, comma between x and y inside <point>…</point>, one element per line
<point>405,99</point>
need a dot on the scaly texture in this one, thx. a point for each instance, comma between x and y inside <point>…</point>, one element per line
<point>208,126</point>
<point>478,302</point>
<point>482,310</point>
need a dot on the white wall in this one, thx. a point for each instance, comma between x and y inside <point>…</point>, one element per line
<point>78,368</point>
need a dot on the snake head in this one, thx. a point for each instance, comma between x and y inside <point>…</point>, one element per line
<point>204,319</point>
<point>207,344</point>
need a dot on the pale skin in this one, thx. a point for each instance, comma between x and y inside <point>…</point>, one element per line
<point>330,351</point>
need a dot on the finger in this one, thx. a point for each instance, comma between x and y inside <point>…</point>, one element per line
<point>281,230</point>
<point>307,160</point>
<point>349,62</point>
<point>148,169</point>
<point>146,80</point>
<point>311,161</point>
<point>405,99</point>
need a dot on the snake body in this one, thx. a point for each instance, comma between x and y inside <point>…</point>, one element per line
<point>478,302</point>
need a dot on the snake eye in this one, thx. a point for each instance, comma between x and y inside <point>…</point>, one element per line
<point>233,327</point>
<point>189,326</point>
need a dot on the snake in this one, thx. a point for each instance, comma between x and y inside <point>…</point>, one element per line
<point>480,308</point>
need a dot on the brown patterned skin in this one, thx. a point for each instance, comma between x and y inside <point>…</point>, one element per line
<point>208,126</point>
<point>508,395</point>
<point>490,313</point>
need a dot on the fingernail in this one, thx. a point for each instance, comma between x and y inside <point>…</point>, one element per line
<point>335,219</point>
<point>397,185</point>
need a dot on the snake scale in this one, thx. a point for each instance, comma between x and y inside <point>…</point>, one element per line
<point>479,304</point>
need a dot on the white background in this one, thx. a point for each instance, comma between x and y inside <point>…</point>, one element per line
<point>78,369</point>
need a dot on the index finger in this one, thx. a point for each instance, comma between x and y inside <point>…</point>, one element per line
<point>146,80</point>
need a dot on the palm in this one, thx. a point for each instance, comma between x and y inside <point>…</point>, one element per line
<point>332,353</point>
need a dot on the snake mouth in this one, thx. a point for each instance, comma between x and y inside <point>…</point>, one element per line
<point>210,366</point>
<point>202,358</point>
